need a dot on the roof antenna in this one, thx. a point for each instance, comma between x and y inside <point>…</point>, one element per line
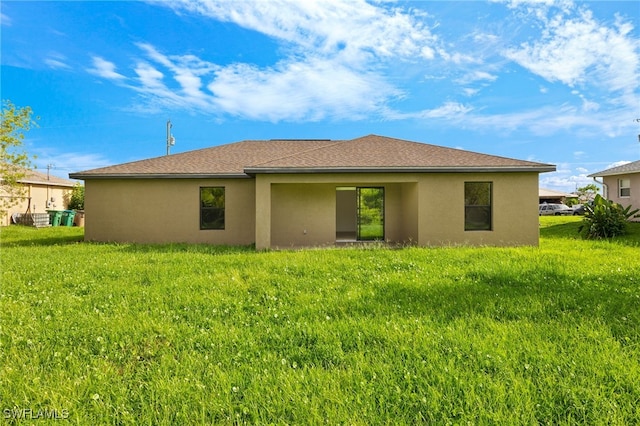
<point>171,141</point>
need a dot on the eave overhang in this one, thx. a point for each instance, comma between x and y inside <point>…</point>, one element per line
<point>250,172</point>
<point>91,176</point>
<point>603,174</point>
<point>45,183</point>
<point>445,169</point>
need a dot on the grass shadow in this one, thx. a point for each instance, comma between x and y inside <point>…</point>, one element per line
<point>569,231</point>
<point>561,231</point>
<point>26,236</point>
<point>212,249</point>
<point>537,295</point>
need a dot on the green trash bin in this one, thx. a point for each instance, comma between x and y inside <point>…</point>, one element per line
<point>55,216</point>
<point>67,218</point>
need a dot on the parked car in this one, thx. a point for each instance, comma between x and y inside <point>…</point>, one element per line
<point>578,209</point>
<point>554,210</point>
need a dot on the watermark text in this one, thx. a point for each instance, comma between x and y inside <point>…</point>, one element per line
<point>17,413</point>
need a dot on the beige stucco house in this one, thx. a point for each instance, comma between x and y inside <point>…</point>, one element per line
<point>41,192</point>
<point>550,196</point>
<point>621,184</point>
<point>300,193</point>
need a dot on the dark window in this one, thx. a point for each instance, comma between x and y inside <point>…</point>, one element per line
<point>477,206</point>
<point>212,208</point>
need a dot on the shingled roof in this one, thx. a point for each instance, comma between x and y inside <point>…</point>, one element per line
<point>370,153</point>
<point>37,178</point>
<point>633,167</point>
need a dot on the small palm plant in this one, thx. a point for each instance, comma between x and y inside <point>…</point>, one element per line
<point>605,219</point>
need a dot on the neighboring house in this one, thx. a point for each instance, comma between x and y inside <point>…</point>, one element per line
<point>621,184</point>
<point>41,193</point>
<point>550,196</point>
<point>297,193</point>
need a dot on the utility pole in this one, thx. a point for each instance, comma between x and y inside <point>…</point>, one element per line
<point>49,167</point>
<point>170,139</point>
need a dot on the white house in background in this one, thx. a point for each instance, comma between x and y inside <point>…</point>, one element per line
<point>621,184</point>
<point>553,197</point>
<point>41,193</point>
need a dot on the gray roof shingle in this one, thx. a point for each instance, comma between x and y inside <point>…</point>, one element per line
<point>365,154</point>
<point>633,167</point>
<point>37,178</point>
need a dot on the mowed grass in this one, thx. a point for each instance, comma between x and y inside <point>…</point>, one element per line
<point>194,334</point>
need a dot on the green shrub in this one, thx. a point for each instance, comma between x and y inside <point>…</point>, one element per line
<point>76,201</point>
<point>605,219</point>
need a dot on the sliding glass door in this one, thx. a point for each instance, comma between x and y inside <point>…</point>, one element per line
<point>370,213</point>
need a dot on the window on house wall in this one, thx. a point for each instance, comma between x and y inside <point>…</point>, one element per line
<point>624,187</point>
<point>212,208</point>
<point>477,206</point>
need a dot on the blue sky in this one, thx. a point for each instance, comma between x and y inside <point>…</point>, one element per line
<point>555,82</point>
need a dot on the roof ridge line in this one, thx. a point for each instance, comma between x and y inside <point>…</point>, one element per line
<point>297,153</point>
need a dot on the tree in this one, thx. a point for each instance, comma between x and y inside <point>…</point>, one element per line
<point>76,199</point>
<point>587,193</point>
<point>14,161</point>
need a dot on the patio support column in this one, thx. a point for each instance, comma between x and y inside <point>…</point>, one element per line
<point>263,212</point>
<point>425,215</point>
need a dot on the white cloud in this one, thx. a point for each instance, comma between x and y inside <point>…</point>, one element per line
<point>334,57</point>
<point>570,176</point>
<point>104,69</point>
<point>339,59</point>
<point>449,111</point>
<point>326,26</point>
<point>588,105</point>
<point>291,90</point>
<point>69,162</point>
<point>187,71</point>
<point>453,110</point>
<point>574,50</point>
<point>566,178</point>
<point>563,4</point>
<point>149,77</point>
<point>476,76</point>
<point>458,58</point>
<point>549,120</point>
<point>5,20</point>
<point>470,92</point>
<point>617,164</point>
<point>296,91</point>
<point>56,63</point>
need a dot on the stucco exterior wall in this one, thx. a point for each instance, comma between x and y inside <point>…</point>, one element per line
<point>346,211</point>
<point>514,209</point>
<point>288,210</point>
<point>299,203</point>
<point>302,215</point>
<point>39,194</point>
<point>409,218</point>
<point>614,194</point>
<point>166,210</point>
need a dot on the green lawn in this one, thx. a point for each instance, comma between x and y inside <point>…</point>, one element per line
<point>194,334</point>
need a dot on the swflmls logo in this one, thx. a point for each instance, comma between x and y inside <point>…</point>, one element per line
<point>30,414</point>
